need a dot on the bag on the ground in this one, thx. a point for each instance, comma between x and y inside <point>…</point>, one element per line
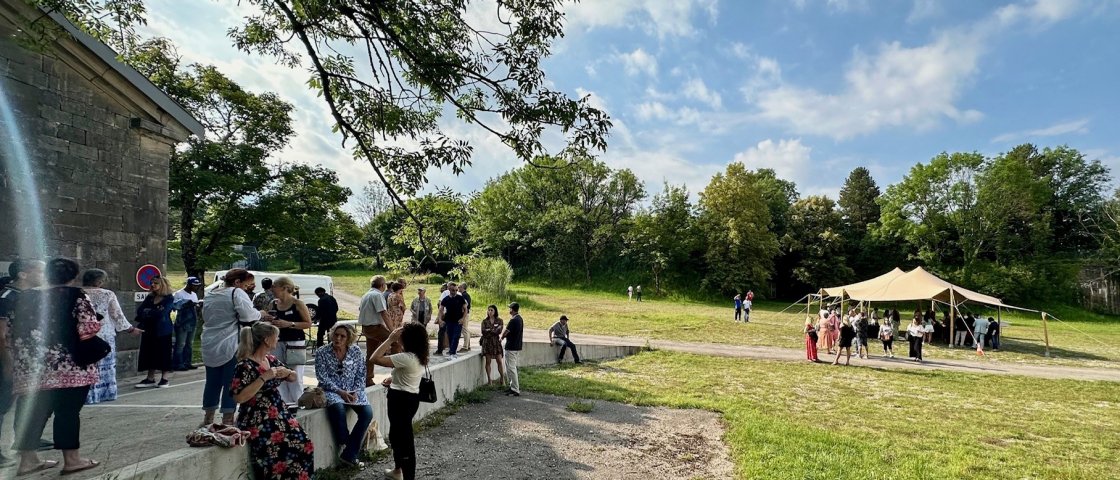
<point>374,442</point>
<point>313,397</point>
<point>295,355</point>
<point>427,387</point>
<point>217,434</point>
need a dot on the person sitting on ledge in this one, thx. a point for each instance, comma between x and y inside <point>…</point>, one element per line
<point>558,335</point>
<point>341,370</point>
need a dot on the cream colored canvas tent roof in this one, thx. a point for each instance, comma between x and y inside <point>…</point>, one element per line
<point>917,284</point>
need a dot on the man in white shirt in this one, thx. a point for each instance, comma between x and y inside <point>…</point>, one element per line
<point>369,317</point>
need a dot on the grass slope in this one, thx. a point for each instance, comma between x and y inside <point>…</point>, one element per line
<point>804,421</point>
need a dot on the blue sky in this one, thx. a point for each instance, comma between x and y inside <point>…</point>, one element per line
<point>811,88</point>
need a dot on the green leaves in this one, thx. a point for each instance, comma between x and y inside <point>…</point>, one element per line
<point>736,219</point>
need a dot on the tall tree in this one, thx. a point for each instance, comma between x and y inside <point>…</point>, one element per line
<point>867,254</point>
<point>391,71</point>
<point>736,219</point>
<point>815,242</point>
<point>858,207</point>
<point>663,237</point>
<point>302,217</point>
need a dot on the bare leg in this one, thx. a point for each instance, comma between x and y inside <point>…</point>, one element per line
<point>501,369</point>
<point>489,380</point>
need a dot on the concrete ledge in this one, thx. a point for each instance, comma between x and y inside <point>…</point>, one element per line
<point>465,373</point>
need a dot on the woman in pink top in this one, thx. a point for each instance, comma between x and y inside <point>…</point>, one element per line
<point>833,330</point>
<point>50,324</point>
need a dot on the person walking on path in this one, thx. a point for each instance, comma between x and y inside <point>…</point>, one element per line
<point>403,397</point>
<point>981,329</point>
<point>860,325</point>
<point>186,320</point>
<point>279,449</point>
<point>738,307</point>
<point>847,334</point>
<point>558,335</point>
<point>915,333</point>
<point>421,307</point>
<point>113,321</point>
<point>326,314</point>
<point>886,335</point>
<point>513,335</point>
<point>492,344</point>
<point>226,310</point>
<point>370,311</point>
<point>810,340</point>
<point>154,319</point>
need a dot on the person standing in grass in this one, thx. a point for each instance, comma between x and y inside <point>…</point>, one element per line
<point>860,326</point>
<point>738,307</point>
<point>847,334</point>
<point>748,302</point>
<point>638,292</point>
<point>981,330</point>
<point>915,333</point>
<point>810,340</point>
<point>630,293</point>
<point>833,329</point>
<point>491,343</point>
<point>513,336</point>
<point>886,335</point>
<point>993,332</point>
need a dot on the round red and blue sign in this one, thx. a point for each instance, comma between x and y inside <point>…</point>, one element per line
<point>146,274</point>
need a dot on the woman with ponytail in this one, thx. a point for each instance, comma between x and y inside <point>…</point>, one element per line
<point>278,447</point>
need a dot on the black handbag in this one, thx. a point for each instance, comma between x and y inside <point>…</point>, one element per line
<point>91,350</point>
<point>427,391</point>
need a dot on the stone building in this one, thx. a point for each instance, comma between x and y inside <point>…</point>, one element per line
<point>90,139</point>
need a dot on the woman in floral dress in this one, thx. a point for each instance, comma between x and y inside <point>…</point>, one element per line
<point>491,345</point>
<point>278,447</point>
<point>108,309</point>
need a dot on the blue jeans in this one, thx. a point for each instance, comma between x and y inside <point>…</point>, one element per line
<point>454,331</point>
<point>182,353</point>
<point>349,440</point>
<point>218,380</point>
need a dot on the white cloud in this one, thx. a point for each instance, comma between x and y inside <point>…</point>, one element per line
<point>696,89</point>
<point>638,61</point>
<point>790,159</point>
<point>1037,11</point>
<point>663,18</point>
<point>924,10</point>
<point>1058,129</point>
<point>653,111</point>
<point>740,50</point>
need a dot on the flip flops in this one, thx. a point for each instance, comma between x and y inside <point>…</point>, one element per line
<point>91,464</point>
<point>47,464</point>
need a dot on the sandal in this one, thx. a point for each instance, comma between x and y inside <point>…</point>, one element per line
<point>91,464</point>
<point>42,466</point>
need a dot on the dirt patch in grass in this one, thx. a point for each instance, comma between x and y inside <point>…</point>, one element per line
<point>536,436</point>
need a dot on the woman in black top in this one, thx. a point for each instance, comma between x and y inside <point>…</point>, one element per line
<point>293,319</point>
<point>847,334</point>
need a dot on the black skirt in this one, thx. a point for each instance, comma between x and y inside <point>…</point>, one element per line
<point>155,352</point>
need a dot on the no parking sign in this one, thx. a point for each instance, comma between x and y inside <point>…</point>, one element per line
<point>145,275</point>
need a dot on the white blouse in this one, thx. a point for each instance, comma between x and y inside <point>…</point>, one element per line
<point>106,305</point>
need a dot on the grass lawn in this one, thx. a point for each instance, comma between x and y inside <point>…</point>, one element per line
<point>1081,339</point>
<point>805,421</point>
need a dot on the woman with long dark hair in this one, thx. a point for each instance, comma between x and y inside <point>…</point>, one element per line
<point>47,378</point>
<point>403,396</point>
<point>491,344</point>
<point>279,449</point>
<point>916,335</point>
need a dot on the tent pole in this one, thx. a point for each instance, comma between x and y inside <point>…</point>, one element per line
<point>952,317</point>
<point>1045,333</point>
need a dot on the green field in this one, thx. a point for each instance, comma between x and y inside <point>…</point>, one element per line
<point>1080,339</point>
<point>804,421</point>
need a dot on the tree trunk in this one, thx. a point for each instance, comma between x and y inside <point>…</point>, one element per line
<point>188,248</point>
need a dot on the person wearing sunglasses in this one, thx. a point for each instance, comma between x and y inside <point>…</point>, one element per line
<point>341,371</point>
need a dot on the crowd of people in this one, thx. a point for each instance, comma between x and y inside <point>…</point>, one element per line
<point>837,333</point>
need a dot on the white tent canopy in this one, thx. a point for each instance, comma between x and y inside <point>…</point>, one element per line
<point>917,284</point>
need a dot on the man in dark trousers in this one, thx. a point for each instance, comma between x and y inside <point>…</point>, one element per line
<point>452,312</point>
<point>558,335</point>
<point>327,314</point>
<point>513,335</point>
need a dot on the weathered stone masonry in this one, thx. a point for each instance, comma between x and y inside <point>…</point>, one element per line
<point>99,145</point>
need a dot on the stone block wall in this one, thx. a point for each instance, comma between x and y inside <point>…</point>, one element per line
<point>102,183</point>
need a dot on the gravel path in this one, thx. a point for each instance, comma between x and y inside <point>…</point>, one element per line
<point>535,437</point>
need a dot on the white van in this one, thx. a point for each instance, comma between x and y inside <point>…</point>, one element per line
<point>305,285</point>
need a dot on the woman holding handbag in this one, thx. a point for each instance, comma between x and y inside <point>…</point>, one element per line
<point>404,393</point>
<point>293,319</point>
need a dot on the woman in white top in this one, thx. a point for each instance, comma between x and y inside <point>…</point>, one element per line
<point>108,309</point>
<point>226,309</point>
<point>916,335</point>
<point>403,396</point>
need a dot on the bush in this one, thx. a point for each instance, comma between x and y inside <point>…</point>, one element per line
<point>491,275</point>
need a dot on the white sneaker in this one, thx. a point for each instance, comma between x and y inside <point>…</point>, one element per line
<point>453,356</point>
<point>393,475</point>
